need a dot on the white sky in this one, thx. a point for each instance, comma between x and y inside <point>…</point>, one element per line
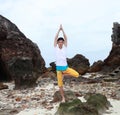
<point>87,23</point>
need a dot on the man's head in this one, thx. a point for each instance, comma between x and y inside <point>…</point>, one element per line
<point>60,42</point>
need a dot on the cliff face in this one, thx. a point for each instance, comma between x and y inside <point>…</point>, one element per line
<point>20,58</point>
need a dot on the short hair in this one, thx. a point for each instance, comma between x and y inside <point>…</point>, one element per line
<point>60,38</point>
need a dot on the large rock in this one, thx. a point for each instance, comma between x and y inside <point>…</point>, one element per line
<point>78,62</point>
<point>69,95</point>
<point>20,58</point>
<point>113,60</point>
<point>97,66</point>
<point>96,105</point>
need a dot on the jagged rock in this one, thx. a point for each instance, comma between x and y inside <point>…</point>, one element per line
<point>113,59</point>
<point>78,62</point>
<point>97,66</point>
<point>116,33</point>
<point>20,58</point>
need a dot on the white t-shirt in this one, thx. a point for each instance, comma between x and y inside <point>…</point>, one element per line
<point>61,56</point>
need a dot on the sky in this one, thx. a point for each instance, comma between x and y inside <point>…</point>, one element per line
<point>87,24</point>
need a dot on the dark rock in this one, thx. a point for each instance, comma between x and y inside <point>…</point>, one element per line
<point>97,66</point>
<point>69,95</point>
<point>99,102</point>
<point>79,63</point>
<point>20,58</point>
<point>116,33</point>
<point>113,60</point>
<point>2,86</point>
<point>53,65</point>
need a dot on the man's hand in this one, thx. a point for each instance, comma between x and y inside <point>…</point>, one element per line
<point>61,28</point>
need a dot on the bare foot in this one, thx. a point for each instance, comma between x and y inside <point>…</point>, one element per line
<point>63,100</point>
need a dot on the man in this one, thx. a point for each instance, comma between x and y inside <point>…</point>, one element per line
<point>62,68</point>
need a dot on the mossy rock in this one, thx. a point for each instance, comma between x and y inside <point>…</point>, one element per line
<point>99,102</point>
<point>96,104</point>
<point>75,107</point>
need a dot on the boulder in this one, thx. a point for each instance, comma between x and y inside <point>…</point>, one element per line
<point>99,102</point>
<point>96,104</point>
<point>69,95</point>
<point>20,58</point>
<point>97,66</point>
<point>80,63</point>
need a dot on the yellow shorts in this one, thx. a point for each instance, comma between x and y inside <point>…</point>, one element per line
<point>69,71</point>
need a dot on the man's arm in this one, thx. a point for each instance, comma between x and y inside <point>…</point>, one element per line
<point>56,37</point>
<point>65,37</point>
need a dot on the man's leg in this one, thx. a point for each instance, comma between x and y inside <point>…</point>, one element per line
<point>60,84</point>
<point>71,72</point>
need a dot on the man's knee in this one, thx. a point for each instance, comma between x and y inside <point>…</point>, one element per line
<point>77,74</point>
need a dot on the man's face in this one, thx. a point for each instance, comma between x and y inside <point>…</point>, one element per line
<point>60,43</point>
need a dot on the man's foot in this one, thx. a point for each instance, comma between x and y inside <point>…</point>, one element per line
<point>63,100</point>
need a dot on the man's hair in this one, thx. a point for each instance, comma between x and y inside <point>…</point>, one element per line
<point>60,38</point>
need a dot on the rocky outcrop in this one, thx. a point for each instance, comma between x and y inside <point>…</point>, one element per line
<point>20,58</point>
<point>78,62</point>
<point>113,60</point>
<point>96,104</point>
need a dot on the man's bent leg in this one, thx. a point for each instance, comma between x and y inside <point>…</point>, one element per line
<point>71,72</point>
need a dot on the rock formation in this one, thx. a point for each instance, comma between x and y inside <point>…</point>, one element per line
<point>20,58</point>
<point>113,60</point>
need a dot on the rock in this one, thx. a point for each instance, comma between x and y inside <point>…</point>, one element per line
<point>113,59</point>
<point>2,86</point>
<point>117,96</point>
<point>68,108</point>
<point>97,66</point>
<point>69,95</point>
<point>96,104</point>
<point>99,102</point>
<point>116,33</point>
<point>53,65</point>
<point>20,58</point>
<point>79,63</point>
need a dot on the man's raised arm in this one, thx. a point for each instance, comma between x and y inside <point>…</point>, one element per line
<point>65,37</point>
<point>56,37</point>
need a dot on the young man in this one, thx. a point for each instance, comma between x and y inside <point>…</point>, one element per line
<point>62,68</point>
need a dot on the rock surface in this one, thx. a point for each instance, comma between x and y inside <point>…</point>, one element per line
<point>20,58</point>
